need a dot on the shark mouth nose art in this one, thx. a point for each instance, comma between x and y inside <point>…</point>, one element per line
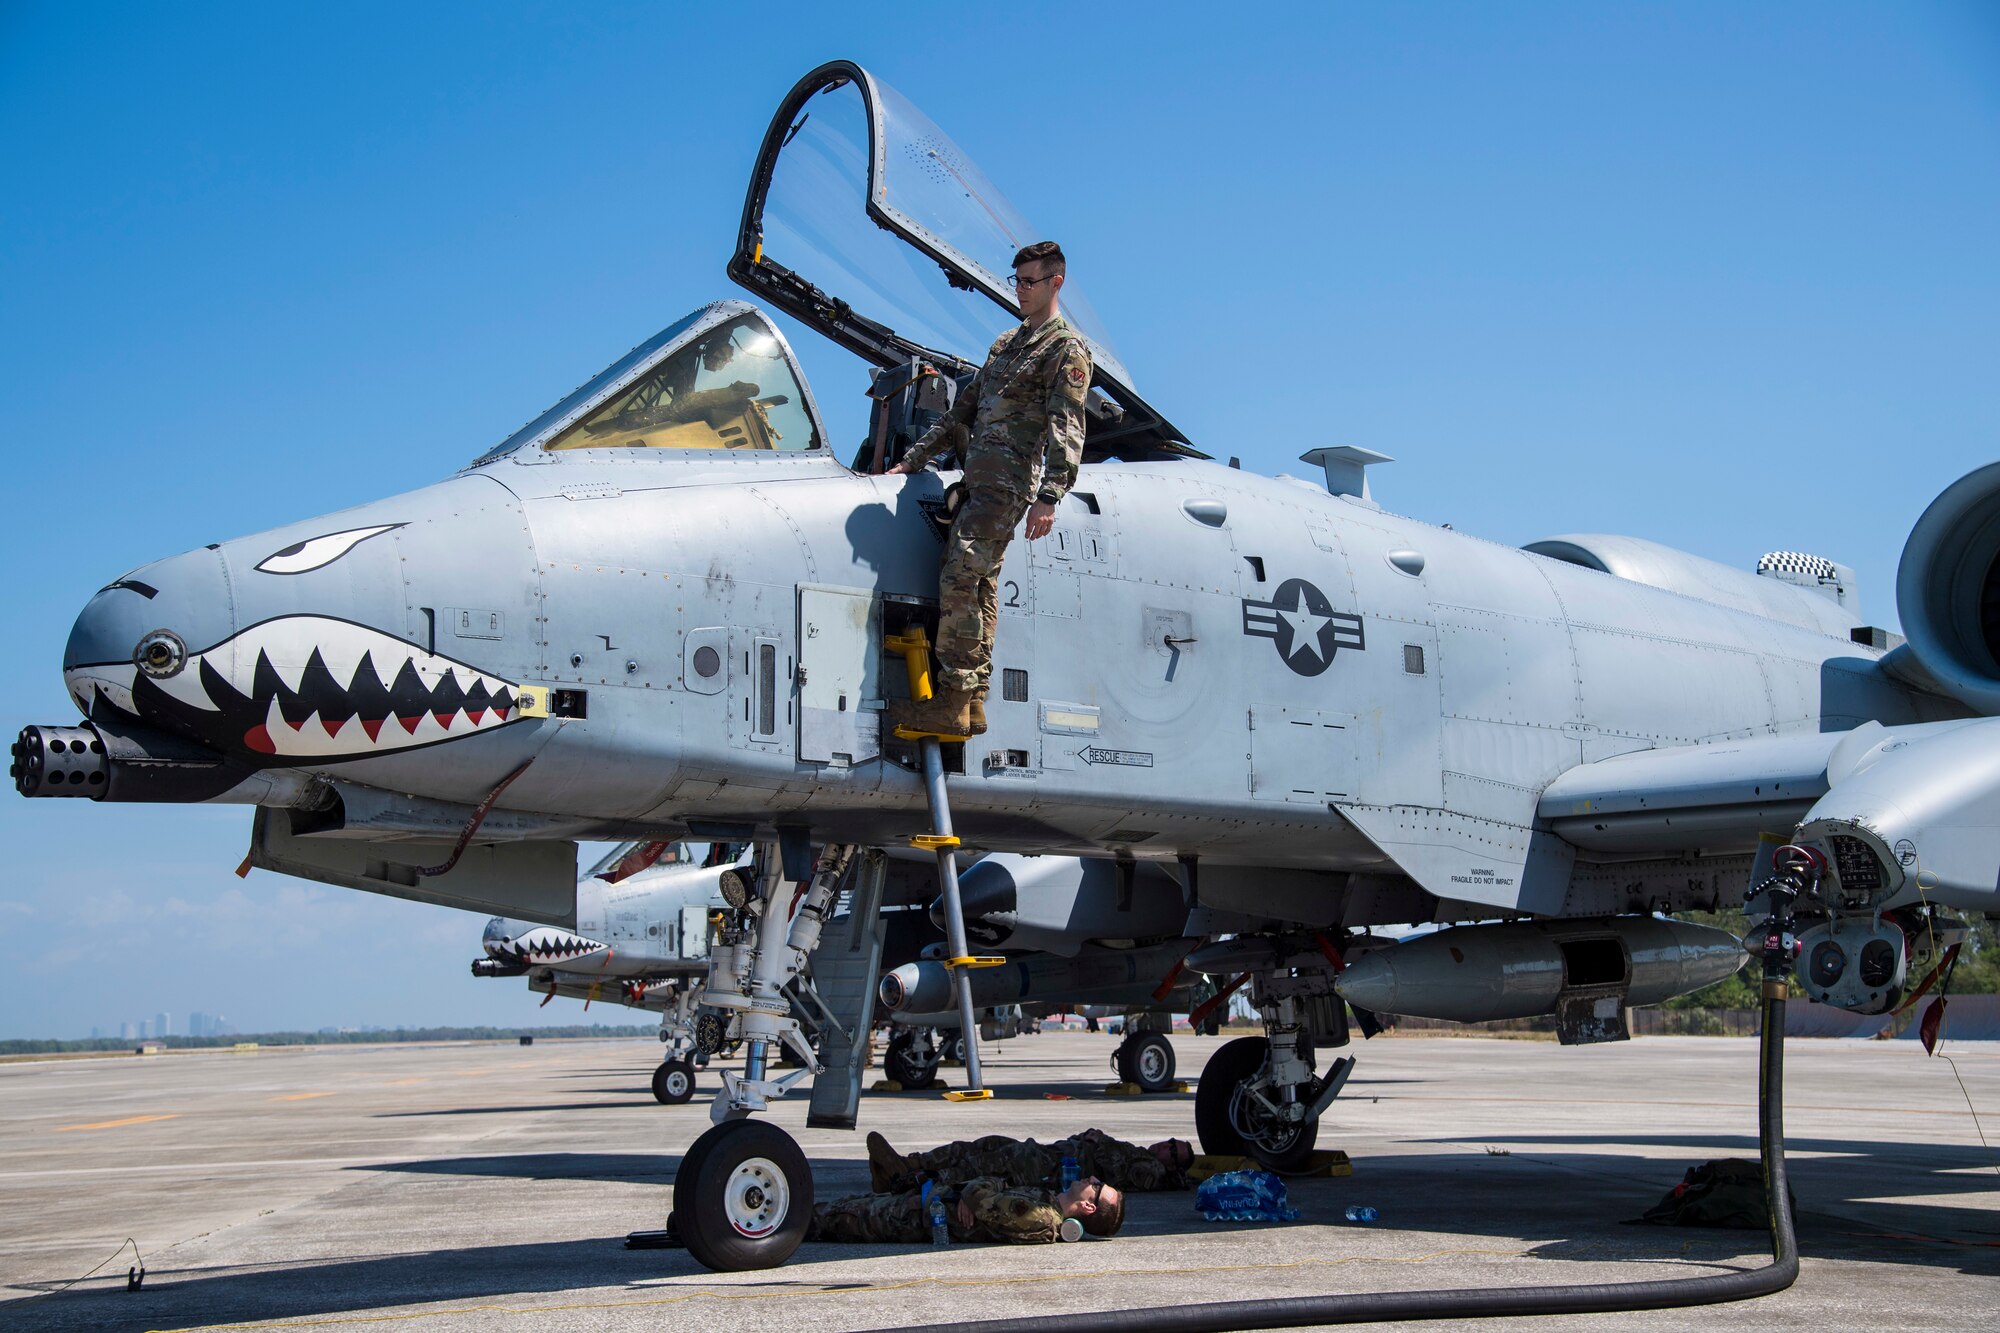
<point>307,687</point>
<point>541,945</point>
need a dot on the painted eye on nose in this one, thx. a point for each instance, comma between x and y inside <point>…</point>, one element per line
<point>315,552</point>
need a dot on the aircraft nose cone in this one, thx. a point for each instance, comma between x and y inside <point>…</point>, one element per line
<point>151,621</point>
<point>497,937</point>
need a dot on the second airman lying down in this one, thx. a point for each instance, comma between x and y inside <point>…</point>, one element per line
<point>985,1209</point>
<point>1124,1166</point>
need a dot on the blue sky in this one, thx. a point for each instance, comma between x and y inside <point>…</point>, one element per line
<point>1719,275</point>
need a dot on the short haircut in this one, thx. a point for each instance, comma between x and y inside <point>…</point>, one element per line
<point>1108,1217</point>
<point>1047,252</point>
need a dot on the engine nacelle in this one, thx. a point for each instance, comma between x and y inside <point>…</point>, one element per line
<point>1948,590</point>
<point>1913,815</point>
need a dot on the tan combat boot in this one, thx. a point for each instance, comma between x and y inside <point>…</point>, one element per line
<point>946,713</point>
<point>977,712</point>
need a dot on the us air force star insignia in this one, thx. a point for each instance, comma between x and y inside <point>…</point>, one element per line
<point>1304,625</point>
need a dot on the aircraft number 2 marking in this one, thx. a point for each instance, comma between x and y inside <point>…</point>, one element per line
<point>1013,593</point>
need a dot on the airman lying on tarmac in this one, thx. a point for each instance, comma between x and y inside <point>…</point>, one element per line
<point>985,1209</point>
<point>1124,1166</point>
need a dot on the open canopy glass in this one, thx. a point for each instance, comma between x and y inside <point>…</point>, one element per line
<point>866,221</point>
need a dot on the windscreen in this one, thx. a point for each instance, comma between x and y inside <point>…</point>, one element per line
<point>730,388</point>
<point>816,223</point>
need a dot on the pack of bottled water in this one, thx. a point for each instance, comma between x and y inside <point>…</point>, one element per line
<point>1243,1196</point>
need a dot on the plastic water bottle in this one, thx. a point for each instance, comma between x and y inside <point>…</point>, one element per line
<point>1361,1212</point>
<point>934,1208</point>
<point>1072,1171</point>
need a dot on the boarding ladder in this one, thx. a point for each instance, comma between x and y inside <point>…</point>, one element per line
<point>915,650</point>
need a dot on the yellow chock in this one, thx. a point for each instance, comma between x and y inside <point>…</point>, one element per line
<point>930,842</point>
<point>1134,1090</point>
<point>886,1085</point>
<point>1325,1162</point>
<point>969,1095</point>
<point>970,961</point>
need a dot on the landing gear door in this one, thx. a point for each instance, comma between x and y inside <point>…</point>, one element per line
<point>840,665</point>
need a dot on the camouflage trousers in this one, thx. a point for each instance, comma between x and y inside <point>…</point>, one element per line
<point>878,1218</point>
<point>999,486</point>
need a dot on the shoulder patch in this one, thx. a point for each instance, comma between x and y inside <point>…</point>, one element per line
<point>1078,375</point>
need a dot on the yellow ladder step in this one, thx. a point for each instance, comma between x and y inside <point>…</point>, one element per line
<point>930,842</point>
<point>970,961</point>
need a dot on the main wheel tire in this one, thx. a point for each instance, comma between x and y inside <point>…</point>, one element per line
<point>1215,1111</point>
<point>673,1083</point>
<point>1148,1061</point>
<point>1233,1062</point>
<point>954,1048</point>
<point>902,1063</point>
<point>743,1196</point>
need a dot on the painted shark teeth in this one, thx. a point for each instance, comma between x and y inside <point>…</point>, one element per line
<point>312,687</point>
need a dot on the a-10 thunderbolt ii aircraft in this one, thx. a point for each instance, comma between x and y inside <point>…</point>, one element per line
<point>665,607</point>
<point>646,913</point>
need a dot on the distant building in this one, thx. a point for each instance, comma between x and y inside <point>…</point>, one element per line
<point>163,1024</point>
<point>145,1029</point>
<point>125,1032</point>
<point>198,1025</point>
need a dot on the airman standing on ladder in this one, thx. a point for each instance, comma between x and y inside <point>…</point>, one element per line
<point>1019,431</point>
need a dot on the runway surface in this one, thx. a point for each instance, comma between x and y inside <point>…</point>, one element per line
<point>477,1186</point>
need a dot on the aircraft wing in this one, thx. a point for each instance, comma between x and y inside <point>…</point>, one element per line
<point>1879,801</point>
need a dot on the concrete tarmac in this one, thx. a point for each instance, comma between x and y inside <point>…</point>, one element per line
<point>487,1186</point>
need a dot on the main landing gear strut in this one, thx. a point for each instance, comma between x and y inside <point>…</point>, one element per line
<point>1261,1096</point>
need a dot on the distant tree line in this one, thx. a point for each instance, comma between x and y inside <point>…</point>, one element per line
<point>54,1047</point>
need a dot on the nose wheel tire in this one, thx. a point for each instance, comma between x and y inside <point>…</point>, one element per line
<point>743,1196</point>
<point>673,1082</point>
<point>1147,1059</point>
<point>1231,1124</point>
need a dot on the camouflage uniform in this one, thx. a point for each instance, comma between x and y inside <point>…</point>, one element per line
<point>1000,1215</point>
<point>1018,428</point>
<point>1121,1165</point>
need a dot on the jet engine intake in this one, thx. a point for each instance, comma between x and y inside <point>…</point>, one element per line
<point>1948,590</point>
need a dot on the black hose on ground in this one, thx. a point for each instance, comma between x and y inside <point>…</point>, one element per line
<point>1496,1302</point>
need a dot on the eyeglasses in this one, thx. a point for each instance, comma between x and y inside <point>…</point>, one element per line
<point>1019,283</point>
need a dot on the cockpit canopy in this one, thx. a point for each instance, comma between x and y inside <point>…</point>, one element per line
<point>854,186</point>
<point>865,221</point>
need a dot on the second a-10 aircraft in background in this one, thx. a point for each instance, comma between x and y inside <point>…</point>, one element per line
<point>647,915</point>
<point>667,609</point>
